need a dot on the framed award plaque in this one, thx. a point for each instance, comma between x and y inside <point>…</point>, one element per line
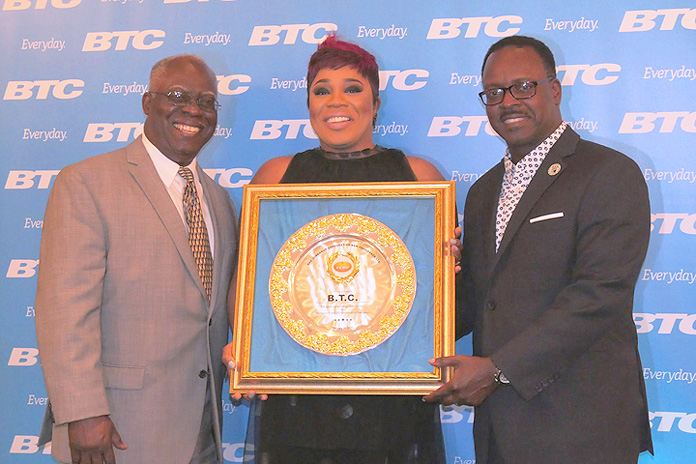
<point>344,288</point>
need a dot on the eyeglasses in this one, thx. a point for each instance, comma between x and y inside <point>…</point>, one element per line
<point>519,91</point>
<point>181,98</point>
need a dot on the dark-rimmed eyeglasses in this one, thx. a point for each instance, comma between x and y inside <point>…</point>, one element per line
<point>181,98</point>
<point>519,91</point>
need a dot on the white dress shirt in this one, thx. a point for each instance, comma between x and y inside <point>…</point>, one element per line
<point>168,171</point>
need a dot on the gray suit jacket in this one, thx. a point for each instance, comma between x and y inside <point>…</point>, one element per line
<point>553,308</point>
<point>123,324</point>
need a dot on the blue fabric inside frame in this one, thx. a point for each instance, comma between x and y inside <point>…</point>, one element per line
<point>408,349</point>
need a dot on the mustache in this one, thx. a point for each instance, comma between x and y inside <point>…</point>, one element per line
<point>512,114</point>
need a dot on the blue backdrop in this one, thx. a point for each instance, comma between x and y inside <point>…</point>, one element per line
<point>73,72</point>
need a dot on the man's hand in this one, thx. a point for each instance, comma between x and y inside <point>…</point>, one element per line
<point>231,364</point>
<point>92,441</point>
<point>472,382</point>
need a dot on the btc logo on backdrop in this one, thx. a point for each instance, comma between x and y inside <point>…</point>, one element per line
<point>595,74</point>
<point>270,129</point>
<point>450,126</point>
<point>408,79</point>
<point>236,452</point>
<point>23,357</point>
<point>232,84</point>
<point>309,33</point>
<point>140,40</point>
<point>647,20</point>
<point>450,28</point>
<point>230,178</point>
<point>665,421</point>
<point>22,268</point>
<point>20,180</point>
<point>38,4</point>
<point>642,123</point>
<point>453,414</point>
<point>28,444</point>
<point>104,132</point>
<point>687,222</point>
<point>665,323</point>
<point>60,89</point>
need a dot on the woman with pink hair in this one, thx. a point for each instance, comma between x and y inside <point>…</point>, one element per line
<point>343,100</point>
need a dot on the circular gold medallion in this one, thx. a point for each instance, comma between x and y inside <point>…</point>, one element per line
<point>342,284</point>
<point>554,169</point>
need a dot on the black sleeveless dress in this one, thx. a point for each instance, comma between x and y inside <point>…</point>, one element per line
<point>307,429</point>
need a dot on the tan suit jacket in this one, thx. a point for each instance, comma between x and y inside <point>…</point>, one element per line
<point>123,324</point>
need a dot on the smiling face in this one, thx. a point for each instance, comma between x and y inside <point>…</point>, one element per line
<point>341,109</point>
<point>180,132</point>
<point>523,124</point>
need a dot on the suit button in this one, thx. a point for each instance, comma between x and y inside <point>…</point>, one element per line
<point>202,374</point>
<point>210,322</point>
<point>345,412</point>
<point>490,305</point>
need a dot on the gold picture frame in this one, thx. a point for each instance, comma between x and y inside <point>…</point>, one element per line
<point>273,358</point>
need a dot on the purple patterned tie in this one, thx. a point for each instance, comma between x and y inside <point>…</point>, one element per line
<point>198,234</point>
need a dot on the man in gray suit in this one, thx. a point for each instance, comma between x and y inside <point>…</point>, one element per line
<point>137,254</point>
<point>554,239</point>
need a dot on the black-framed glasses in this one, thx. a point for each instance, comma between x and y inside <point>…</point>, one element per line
<point>519,91</point>
<point>182,98</point>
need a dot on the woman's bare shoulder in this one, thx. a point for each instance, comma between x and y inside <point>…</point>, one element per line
<point>425,171</point>
<point>272,170</point>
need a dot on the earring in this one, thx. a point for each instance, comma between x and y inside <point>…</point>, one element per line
<point>374,120</point>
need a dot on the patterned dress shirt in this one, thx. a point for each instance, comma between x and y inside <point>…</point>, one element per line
<point>516,179</point>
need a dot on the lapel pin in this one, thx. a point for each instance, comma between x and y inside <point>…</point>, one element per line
<point>554,169</point>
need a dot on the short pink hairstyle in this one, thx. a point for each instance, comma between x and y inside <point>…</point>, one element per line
<point>334,54</point>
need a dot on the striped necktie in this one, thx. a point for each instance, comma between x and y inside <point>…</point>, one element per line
<point>198,234</point>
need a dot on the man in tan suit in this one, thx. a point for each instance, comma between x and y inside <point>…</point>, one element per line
<point>129,332</point>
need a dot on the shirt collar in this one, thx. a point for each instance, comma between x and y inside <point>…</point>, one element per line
<point>541,150</point>
<point>166,168</point>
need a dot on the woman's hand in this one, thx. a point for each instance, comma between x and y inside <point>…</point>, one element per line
<point>231,363</point>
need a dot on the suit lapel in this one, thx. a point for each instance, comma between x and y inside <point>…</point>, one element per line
<point>143,171</point>
<point>491,194</point>
<point>215,205</point>
<point>543,178</point>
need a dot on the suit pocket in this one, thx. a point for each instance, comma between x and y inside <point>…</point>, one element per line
<point>124,377</point>
<point>547,217</point>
